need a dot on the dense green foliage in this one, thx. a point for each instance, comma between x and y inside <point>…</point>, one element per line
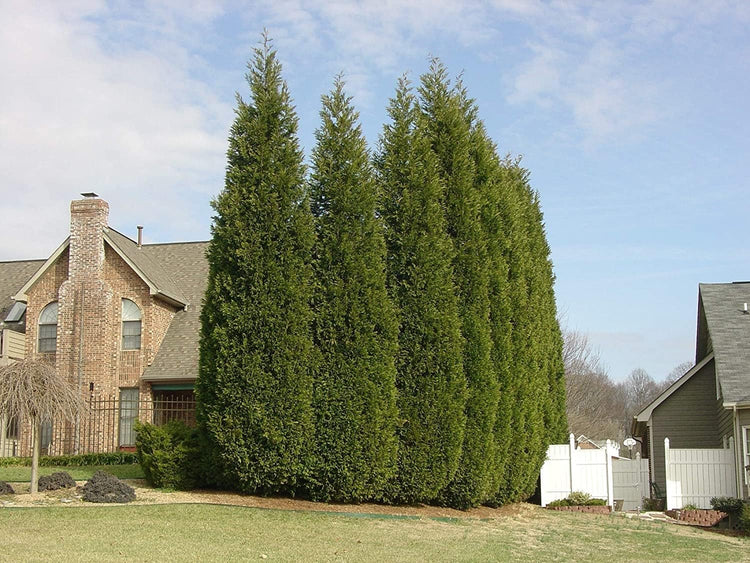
<point>254,388</point>
<point>354,327</point>
<point>112,458</point>
<point>390,335</point>
<point>168,454</point>
<point>446,126</point>
<point>429,378</point>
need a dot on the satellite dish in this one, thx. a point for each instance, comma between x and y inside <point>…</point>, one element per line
<point>629,442</point>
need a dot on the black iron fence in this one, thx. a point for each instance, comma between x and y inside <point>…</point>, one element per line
<point>108,425</point>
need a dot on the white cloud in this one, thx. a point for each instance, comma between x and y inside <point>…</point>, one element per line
<point>79,114</point>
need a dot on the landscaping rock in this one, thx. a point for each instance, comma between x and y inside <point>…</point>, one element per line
<point>59,480</point>
<point>6,489</point>
<point>103,487</point>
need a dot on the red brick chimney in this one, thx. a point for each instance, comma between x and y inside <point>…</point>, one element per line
<point>88,218</point>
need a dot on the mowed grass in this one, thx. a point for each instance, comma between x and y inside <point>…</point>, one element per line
<point>18,473</point>
<point>211,532</point>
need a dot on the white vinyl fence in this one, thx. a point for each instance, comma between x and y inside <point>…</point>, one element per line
<point>599,472</point>
<point>694,476</point>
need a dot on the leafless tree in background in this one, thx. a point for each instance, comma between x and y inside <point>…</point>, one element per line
<point>595,405</point>
<point>33,390</point>
<point>677,372</point>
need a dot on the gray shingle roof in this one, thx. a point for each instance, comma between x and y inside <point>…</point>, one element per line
<point>13,276</point>
<point>152,269</point>
<point>729,329</point>
<point>186,262</point>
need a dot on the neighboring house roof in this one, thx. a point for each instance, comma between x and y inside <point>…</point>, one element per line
<point>723,305</point>
<point>13,275</point>
<point>177,357</point>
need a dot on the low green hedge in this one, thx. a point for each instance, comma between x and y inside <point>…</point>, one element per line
<point>578,498</point>
<point>115,458</point>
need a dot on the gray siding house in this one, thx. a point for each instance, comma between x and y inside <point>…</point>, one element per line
<point>710,404</point>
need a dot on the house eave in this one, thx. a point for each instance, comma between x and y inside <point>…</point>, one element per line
<point>22,294</point>
<point>645,414</point>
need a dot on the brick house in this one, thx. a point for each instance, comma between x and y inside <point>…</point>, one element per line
<point>118,318</point>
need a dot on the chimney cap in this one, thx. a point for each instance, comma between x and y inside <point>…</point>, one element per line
<point>89,194</point>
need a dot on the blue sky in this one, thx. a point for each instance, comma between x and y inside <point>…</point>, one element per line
<point>631,116</point>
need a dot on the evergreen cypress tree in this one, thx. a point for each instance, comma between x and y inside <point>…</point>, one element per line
<point>498,219</point>
<point>429,379</point>
<point>355,327</point>
<point>535,414</point>
<point>254,388</point>
<point>448,128</point>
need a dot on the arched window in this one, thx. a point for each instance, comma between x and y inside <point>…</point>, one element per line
<point>131,325</point>
<point>48,329</point>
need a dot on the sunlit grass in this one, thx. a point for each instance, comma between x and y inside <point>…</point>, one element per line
<point>198,532</point>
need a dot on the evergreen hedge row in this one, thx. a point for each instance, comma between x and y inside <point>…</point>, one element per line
<point>386,328</point>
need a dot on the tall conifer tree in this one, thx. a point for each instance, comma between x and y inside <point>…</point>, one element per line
<point>430,381</point>
<point>498,219</point>
<point>355,327</point>
<point>254,388</point>
<point>448,129</point>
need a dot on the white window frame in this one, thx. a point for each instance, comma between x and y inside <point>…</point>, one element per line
<point>130,318</point>
<point>127,415</point>
<point>40,324</point>
<point>746,453</point>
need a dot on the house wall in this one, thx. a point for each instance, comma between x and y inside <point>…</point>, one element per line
<point>12,346</point>
<point>89,281</point>
<point>688,418</point>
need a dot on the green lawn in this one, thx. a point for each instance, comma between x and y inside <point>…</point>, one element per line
<point>197,532</point>
<point>18,473</point>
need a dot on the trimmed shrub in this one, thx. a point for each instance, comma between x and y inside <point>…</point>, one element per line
<point>6,489</point>
<point>169,454</point>
<point>83,460</point>
<point>730,505</point>
<point>577,498</point>
<point>745,518</point>
<point>105,487</point>
<point>59,480</point>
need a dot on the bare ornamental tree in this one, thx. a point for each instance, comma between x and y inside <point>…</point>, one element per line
<point>33,390</point>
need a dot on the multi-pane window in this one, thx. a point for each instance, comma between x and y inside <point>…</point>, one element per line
<point>131,325</point>
<point>128,416</point>
<point>48,329</point>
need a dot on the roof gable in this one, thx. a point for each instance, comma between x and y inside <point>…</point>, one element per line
<point>160,283</point>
